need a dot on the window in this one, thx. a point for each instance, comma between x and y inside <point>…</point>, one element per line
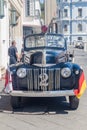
<point>79,27</point>
<point>1,8</point>
<point>27,7</point>
<point>80,38</point>
<point>65,0</point>
<point>27,30</point>
<point>65,13</point>
<point>59,13</point>
<point>80,12</point>
<point>65,28</point>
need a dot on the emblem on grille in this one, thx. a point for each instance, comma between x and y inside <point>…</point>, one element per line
<point>43,80</point>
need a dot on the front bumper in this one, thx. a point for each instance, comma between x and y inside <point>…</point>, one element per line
<point>41,94</point>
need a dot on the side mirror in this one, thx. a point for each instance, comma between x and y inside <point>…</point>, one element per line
<point>71,55</point>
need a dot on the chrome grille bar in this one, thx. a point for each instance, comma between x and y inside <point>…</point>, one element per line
<point>30,79</point>
<point>51,76</point>
<point>36,79</point>
<point>57,79</point>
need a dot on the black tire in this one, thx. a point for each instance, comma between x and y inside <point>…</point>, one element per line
<point>74,102</point>
<point>15,102</point>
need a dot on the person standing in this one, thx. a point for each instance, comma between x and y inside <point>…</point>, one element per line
<point>13,53</point>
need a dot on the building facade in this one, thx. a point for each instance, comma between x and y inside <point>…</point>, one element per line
<point>10,27</point>
<point>72,16</point>
<point>50,10</point>
<point>31,16</point>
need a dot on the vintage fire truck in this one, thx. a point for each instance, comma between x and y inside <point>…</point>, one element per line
<point>45,72</point>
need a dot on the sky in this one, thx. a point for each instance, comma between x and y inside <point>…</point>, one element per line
<point>41,1</point>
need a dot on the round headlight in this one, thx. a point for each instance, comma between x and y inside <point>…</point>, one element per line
<point>65,72</point>
<point>21,73</point>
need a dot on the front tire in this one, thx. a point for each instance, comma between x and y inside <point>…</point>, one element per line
<point>74,102</point>
<point>15,102</point>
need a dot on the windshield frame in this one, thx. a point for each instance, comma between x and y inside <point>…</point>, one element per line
<point>43,47</point>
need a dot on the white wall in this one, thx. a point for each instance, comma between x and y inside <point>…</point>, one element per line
<point>4,35</point>
<point>4,38</point>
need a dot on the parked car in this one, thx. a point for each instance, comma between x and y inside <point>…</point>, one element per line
<point>79,44</point>
<point>45,72</point>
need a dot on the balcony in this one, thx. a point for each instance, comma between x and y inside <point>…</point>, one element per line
<point>66,18</point>
<point>79,1</point>
<point>79,19</point>
<point>69,1</point>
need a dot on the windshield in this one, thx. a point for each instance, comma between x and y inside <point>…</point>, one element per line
<point>51,40</point>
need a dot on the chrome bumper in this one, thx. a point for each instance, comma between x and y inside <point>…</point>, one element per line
<point>42,94</point>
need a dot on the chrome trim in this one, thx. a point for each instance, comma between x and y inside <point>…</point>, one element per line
<point>44,58</point>
<point>50,73</point>
<point>43,79</point>
<point>40,65</point>
<point>57,79</point>
<point>36,79</point>
<point>30,79</point>
<point>43,94</point>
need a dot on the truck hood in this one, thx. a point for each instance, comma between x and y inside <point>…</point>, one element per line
<point>46,57</point>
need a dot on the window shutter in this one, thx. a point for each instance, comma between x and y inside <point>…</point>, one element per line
<point>1,8</point>
<point>13,17</point>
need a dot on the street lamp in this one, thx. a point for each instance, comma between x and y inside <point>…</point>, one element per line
<point>1,9</point>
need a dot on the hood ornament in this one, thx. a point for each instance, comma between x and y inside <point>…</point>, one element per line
<point>44,58</point>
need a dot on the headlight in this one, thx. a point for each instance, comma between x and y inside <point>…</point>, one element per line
<point>65,72</point>
<point>21,73</point>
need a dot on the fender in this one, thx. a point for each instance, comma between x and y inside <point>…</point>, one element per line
<point>81,87</point>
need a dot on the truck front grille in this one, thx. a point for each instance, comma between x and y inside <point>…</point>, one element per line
<point>43,79</point>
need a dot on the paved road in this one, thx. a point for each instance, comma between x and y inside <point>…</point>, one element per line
<point>48,113</point>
